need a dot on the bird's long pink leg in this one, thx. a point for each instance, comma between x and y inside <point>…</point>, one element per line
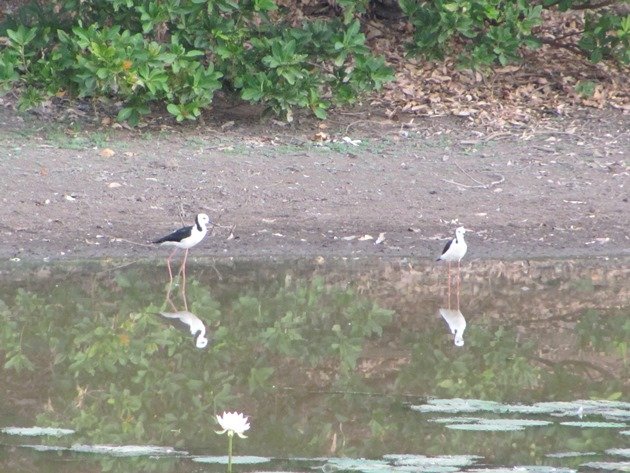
<point>170,283</point>
<point>449,284</point>
<point>183,270</point>
<point>458,278</point>
<point>168,265</point>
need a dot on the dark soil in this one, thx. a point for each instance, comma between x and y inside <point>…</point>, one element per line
<point>556,189</point>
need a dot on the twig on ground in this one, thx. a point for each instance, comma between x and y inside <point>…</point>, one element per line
<point>480,185</point>
<point>146,245</point>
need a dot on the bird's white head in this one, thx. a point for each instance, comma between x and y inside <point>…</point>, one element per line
<point>202,341</point>
<point>460,231</point>
<point>203,220</point>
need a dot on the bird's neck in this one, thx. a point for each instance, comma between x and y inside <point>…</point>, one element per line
<point>198,226</point>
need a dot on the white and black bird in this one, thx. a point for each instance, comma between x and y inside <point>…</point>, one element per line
<point>454,251</point>
<point>456,323</point>
<point>185,238</point>
<point>190,322</point>
<point>455,248</point>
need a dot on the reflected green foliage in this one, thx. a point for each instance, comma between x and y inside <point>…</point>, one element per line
<point>311,355</point>
<point>502,370</point>
<point>131,377</point>
<point>339,321</point>
<point>607,334</point>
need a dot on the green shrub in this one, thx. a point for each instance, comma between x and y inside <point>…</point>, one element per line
<point>496,31</point>
<point>606,36</point>
<point>492,30</point>
<point>180,52</point>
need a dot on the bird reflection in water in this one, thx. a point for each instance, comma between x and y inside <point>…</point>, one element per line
<point>456,323</point>
<point>188,322</point>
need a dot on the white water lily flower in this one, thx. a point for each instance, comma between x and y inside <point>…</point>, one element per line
<point>233,423</point>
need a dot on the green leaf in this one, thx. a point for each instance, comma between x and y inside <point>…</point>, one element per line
<point>251,94</point>
<point>173,109</point>
<point>265,5</point>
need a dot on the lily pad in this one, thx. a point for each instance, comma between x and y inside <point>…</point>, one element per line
<point>486,427</point>
<point>570,454</point>
<point>595,425</point>
<point>454,420</point>
<point>127,450</point>
<point>457,405</point>
<point>236,460</point>
<point>623,452</point>
<point>358,464</point>
<point>498,425</point>
<point>609,466</point>
<point>36,431</point>
<point>422,460</point>
<point>525,469</point>
<point>613,410</point>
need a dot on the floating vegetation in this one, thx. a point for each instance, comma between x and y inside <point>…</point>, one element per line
<point>570,454</point>
<point>403,462</point>
<point>457,406</point>
<point>525,469</point>
<point>623,452</point>
<point>486,427</point>
<point>236,460</point>
<point>609,466</point>
<point>454,420</point>
<point>356,464</point>
<point>36,431</point>
<point>595,425</point>
<point>127,450</point>
<point>497,425</point>
<point>613,410</point>
<point>424,461</point>
<point>112,450</point>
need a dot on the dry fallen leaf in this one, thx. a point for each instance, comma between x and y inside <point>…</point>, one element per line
<point>107,152</point>
<point>320,136</point>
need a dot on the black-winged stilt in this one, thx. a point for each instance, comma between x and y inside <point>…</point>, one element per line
<point>184,238</point>
<point>454,250</point>
<point>456,323</point>
<point>189,321</point>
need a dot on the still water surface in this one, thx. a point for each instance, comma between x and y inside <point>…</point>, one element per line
<point>340,365</point>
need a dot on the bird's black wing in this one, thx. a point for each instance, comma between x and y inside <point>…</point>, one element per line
<point>446,247</point>
<point>177,235</point>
